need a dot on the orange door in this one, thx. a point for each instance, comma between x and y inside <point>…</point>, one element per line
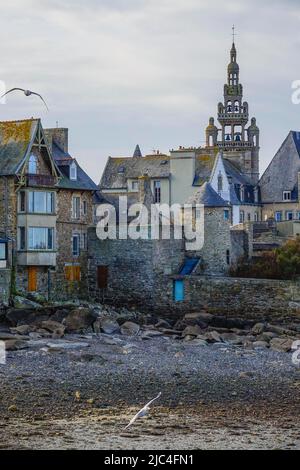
<point>32,278</point>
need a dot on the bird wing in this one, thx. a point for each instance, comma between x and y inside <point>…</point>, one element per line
<point>13,89</point>
<point>133,419</point>
<point>153,399</point>
<point>40,96</point>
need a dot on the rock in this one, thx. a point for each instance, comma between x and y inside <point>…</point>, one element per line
<point>43,333</point>
<point>15,344</point>
<point>163,324</point>
<point>168,331</point>
<point>258,329</point>
<point>213,336</point>
<point>280,330</point>
<point>266,336</point>
<point>79,319</point>
<point>52,326</point>
<point>198,342</point>
<point>22,302</point>
<point>109,326</point>
<point>192,330</point>
<point>148,334</point>
<point>66,345</point>
<point>246,375</point>
<point>22,329</point>
<point>60,315</point>
<point>230,337</point>
<point>18,317</point>
<point>97,326</point>
<point>281,344</point>
<point>37,297</point>
<point>260,344</point>
<point>130,328</point>
<point>199,317</point>
<point>12,408</point>
<point>4,336</point>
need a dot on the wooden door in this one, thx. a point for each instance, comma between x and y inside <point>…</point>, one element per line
<point>32,279</point>
<point>102,276</point>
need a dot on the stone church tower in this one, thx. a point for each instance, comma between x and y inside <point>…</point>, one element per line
<point>238,143</point>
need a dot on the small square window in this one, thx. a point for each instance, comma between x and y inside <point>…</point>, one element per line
<point>135,185</point>
<point>287,195</point>
<point>289,215</point>
<point>226,214</point>
<point>278,216</point>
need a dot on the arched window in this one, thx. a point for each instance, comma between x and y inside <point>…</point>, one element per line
<point>242,216</point>
<point>229,107</point>
<point>220,183</point>
<point>32,165</point>
<point>236,106</point>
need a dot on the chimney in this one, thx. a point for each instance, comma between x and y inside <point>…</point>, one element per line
<point>59,135</point>
<point>145,193</point>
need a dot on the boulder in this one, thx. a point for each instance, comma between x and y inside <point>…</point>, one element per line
<point>22,302</point>
<point>213,337</point>
<point>198,342</point>
<point>260,344</point>
<point>266,336</point>
<point>17,317</point>
<point>163,324</point>
<point>192,330</point>
<point>258,329</point>
<point>78,319</point>
<point>196,317</point>
<point>15,344</point>
<point>109,326</point>
<point>22,329</point>
<point>61,346</point>
<point>52,326</point>
<point>97,326</point>
<point>281,344</point>
<point>130,328</point>
<point>37,297</point>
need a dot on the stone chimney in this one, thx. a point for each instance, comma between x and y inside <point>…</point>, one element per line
<point>59,135</point>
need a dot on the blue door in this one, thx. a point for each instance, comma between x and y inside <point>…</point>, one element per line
<point>178,291</point>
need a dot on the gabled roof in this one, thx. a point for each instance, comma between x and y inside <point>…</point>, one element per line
<point>203,167</point>
<point>137,152</point>
<point>282,173</point>
<point>207,196</point>
<point>16,138</point>
<point>63,161</point>
<point>118,170</point>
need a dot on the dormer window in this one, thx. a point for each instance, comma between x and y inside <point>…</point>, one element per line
<point>73,171</point>
<point>287,195</point>
<point>32,165</point>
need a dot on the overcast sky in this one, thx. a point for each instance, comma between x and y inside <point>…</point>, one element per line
<point>122,72</point>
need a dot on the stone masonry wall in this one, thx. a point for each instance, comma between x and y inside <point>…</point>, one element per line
<point>5,279</point>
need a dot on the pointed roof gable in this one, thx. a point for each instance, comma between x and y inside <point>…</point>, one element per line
<point>137,152</point>
<point>207,196</point>
<point>16,139</point>
<point>282,173</point>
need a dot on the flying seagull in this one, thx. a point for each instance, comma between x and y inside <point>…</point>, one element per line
<point>143,412</point>
<point>26,93</point>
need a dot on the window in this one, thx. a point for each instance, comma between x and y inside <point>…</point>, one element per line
<point>287,195</point>
<point>3,251</point>
<point>157,191</point>
<point>73,171</point>
<point>242,216</point>
<point>22,238</point>
<point>102,277</point>
<point>76,244</point>
<point>32,165</point>
<point>84,207</point>
<point>298,215</point>
<point>76,207</point>
<point>220,183</point>
<point>256,216</point>
<point>135,185</point>
<point>278,216</point>
<point>84,241</point>
<point>242,193</point>
<point>289,215</point>
<point>22,201</point>
<point>40,238</point>
<point>226,214</point>
<point>227,256</point>
<point>41,202</point>
<point>249,217</point>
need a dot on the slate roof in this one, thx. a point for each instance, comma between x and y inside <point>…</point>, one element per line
<point>282,173</point>
<point>15,140</point>
<point>118,170</point>
<point>207,196</point>
<point>63,160</point>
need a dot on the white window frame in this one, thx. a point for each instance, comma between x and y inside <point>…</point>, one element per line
<point>32,161</point>
<point>287,195</point>
<point>135,185</point>
<point>77,253</point>
<point>286,215</point>
<point>76,207</point>
<point>278,213</point>
<point>30,235</point>
<point>73,168</point>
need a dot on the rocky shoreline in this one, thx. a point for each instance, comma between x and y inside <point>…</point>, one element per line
<point>80,364</point>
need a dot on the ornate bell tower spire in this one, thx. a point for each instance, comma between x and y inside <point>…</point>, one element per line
<point>238,143</point>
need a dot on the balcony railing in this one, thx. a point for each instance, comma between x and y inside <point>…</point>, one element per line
<point>231,143</point>
<point>41,180</point>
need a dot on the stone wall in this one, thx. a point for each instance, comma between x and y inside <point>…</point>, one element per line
<point>5,280</point>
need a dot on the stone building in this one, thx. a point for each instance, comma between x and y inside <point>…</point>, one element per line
<point>279,185</point>
<point>36,213</point>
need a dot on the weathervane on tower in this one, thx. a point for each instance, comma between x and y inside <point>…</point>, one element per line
<point>233,33</point>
